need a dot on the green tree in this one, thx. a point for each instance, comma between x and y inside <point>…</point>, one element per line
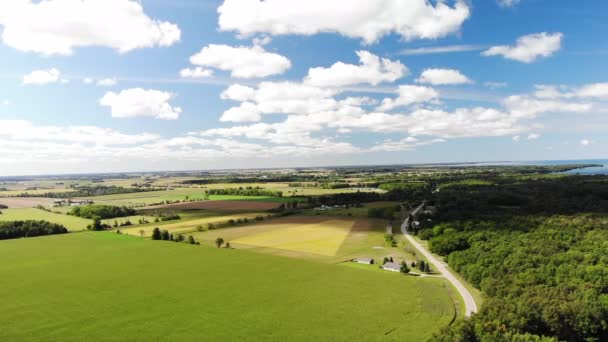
<point>404,269</point>
<point>421,266</point>
<point>219,242</point>
<point>165,235</point>
<point>97,223</point>
<point>156,235</point>
<point>191,240</point>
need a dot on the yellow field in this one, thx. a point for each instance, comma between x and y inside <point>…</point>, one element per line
<point>324,238</point>
<point>187,225</point>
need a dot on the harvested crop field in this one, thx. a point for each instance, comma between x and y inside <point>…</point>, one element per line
<point>25,202</point>
<point>221,205</point>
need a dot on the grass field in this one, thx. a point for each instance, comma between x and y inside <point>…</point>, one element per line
<point>322,238</point>
<point>70,222</point>
<point>187,224</point>
<point>128,288</point>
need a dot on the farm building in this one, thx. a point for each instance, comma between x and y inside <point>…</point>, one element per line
<point>392,266</point>
<point>367,261</point>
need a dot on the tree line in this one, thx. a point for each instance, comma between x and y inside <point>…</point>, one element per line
<point>30,228</point>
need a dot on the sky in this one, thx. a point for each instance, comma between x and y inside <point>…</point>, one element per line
<point>91,86</point>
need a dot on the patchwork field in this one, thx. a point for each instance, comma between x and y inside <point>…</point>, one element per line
<point>220,205</point>
<point>70,222</point>
<point>322,238</point>
<point>25,202</point>
<point>186,293</point>
<point>187,224</point>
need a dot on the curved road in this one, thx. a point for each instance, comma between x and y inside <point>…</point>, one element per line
<point>469,302</point>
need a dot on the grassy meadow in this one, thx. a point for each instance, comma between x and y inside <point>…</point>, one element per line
<point>70,222</point>
<point>186,224</point>
<point>128,288</point>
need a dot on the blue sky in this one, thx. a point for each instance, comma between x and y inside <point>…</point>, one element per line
<point>110,85</point>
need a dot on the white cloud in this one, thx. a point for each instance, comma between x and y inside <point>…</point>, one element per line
<point>596,90</point>
<point>107,82</point>
<point>440,49</point>
<point>246,112</point>
<point>197,72</point>
<point>443,77</point>
<point>88,80</point>
<point>508,3</point>
<point>516,138</point>
<point>372,70</point>
<point>42,77</point>
<point>586,142</point>
<point>137,102</point>
<point>408,95</point>
<point>523,106</point>
<point>241,61</point>
<point>368,20</point>
<point>56,27</point>
<point>261,41</point>
<point>529,48</point>
<point>533,136</point>
<point>238,92</point>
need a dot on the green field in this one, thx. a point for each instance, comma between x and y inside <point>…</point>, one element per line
<point>187,223</point>
<point>70,222</point>
<point>128,288</point>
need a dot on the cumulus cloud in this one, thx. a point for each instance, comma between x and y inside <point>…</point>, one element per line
<point>408,95</point>
<point>42,77</point>
<point>197,72</point>
<point>241,61</point>
<point>443,77</point>
<point>586,142</point>
<point>372,70</point>
<point>533,136</point>
<point>595,90</point>
<point>56,27</point>
<point>246,112</point>
<point>138,102</point>
<point>529,48</point>
<point>367,20</point>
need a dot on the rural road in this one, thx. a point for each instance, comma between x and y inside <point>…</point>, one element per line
<point>469,302</point>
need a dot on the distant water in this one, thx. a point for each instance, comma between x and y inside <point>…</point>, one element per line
<point>600,170</point>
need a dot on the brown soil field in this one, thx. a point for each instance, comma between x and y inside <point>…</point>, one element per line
<point>25,202</point>
<point>220,205</point>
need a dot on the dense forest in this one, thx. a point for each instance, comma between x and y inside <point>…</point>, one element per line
<point>20,229</point>
<point>537,250</point>
<point>92,211</point>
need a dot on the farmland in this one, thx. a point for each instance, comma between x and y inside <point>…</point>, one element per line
<point>187,292</point>
<point>71,222</point>
<point>321,238</point>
